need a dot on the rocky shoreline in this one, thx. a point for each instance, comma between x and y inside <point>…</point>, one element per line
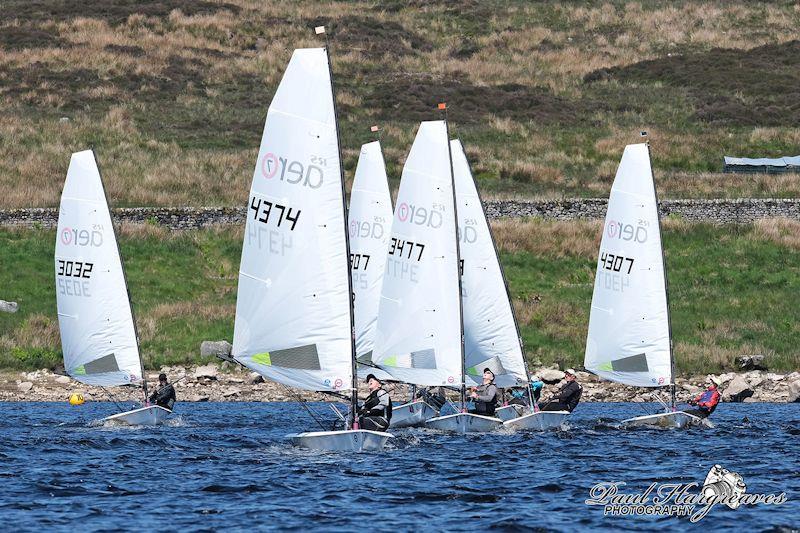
<point>229,383</point>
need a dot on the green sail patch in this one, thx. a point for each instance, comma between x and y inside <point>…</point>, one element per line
<point>262,359</point>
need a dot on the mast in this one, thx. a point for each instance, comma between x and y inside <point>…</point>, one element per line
<point>505,285</point>
<point>443,107</point>
<point>354,368</point>
<point>666,284</point>
<point>124,278</point>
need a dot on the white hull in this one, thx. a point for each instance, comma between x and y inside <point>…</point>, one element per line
<point>465,423</point>
<point>144,416</point>
<point>508,412</point>
<point>411,414</point>
<point>677,419</point>
<point>354,440</point>
<point>541,421</point>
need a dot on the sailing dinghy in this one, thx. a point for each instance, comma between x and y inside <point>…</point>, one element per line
<point>491,333</point>
<point>630,337</point>
<point>95,316</point>
<point>370,218</point>
<point>419,337</point>
<point>294,311</point>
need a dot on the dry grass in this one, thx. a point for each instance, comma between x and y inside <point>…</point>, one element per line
<point>781,231</point>
<point>548,238</point>
<point>37,331</point>
<point>693,357</point>
<point>151,325</point>
<point>174,100</point>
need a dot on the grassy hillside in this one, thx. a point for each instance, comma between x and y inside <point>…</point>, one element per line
<point>733,291</point>
<point>173,93</point>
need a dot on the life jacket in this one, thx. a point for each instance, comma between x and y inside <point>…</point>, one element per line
<point>373,403</point>
<point>488,408</point>
<point>708,400</point>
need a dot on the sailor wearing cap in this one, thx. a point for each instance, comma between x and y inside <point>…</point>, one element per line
<point>485,395</point>
<point>375,413</point>
<point>568,396</point>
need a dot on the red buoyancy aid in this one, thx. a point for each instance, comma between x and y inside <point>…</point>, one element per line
<point>708,400</point>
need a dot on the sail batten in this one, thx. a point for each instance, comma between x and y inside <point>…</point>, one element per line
<point>628,339</point>
<point>98,336</point>
<point>491,339</point>
<point>418,333</point>
<point>293,320</point>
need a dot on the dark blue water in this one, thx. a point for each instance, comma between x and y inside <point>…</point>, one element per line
<point>227,466</point>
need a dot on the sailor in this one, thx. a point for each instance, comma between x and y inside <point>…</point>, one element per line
<point>568,396</point>
<point>519,395</point>
<point>485,395</point>
<point>164,395</point>
<point>536,388</point>
<point>707,401</point>
<point>434,399</point>
<point>375,413</point>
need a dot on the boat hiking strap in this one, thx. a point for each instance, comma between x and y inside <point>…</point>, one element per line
<point>302,402</point>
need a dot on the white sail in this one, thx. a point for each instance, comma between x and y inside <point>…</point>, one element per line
<point>491,339</point>
<point>293,321</point>
<point>628,339</point>
<point>94,313</point>
<point>369,223</point>
<point>418,336</point>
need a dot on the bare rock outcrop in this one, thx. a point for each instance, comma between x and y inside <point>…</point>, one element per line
<point>751,362</point>
<point>221,349</point>
<point>737,390</point>
<point>550,375</point>
<point>794,392</point>
<point>8,307</point>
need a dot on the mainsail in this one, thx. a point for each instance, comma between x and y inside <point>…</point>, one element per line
<point>629,337</point>
<point>418,337</point>
<point>369,223</point>
<point>491,339</point>
<point>293,322</point>
<point>98,337</point>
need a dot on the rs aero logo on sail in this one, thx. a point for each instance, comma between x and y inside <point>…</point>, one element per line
<point>616,229</point>
<point>81,237</point>
<point>419,215</point>
<point>295,172</point>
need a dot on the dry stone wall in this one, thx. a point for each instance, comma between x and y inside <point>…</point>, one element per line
<point>716,211</point>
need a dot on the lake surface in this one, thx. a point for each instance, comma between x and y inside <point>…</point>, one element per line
<point>228,466</point>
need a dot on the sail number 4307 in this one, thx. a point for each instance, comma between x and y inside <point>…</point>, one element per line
<point>616,263</point>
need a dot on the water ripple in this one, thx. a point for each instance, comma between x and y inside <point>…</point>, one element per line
<point>229,466</point>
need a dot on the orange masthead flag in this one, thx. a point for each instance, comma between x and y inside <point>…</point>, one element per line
<point>443,106</point>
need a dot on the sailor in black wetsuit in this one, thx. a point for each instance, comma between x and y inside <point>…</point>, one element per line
<point>569,395</point>
<point>376,412</point>
<point>164,395</point>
